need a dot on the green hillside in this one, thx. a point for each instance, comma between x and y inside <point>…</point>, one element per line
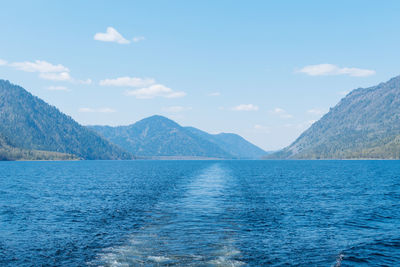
<point>158,136</point>
<point>31,129</point>
<point>365,124</point>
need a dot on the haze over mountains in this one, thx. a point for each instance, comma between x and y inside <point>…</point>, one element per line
<point>364,124</point>
<point>158,137</point>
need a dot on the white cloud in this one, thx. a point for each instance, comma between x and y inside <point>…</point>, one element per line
<point>330,69</point>
<point>98,110</point>
<point>47,70</point>
<point>62,76</point>
<point>57,88</point>
<point>127,81</point>
<point>111,35</point>
<point>282,113</point>
<point>87,81</point>
<point>39,66</point>
<point>315,111</point>
<point>245,107</point>
<point>155,90</point>
<point>3,62</point>
<point>137,39</point>
<point>278,111</point>
<point>150,89</point>
<point>344,93</point>
<point>176,109</point>
<point>214,94</point>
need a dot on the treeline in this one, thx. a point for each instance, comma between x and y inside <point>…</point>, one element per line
<point>7,154</point>
<point>364,146</point>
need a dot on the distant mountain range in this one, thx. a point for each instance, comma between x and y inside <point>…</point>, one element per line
<point>32,129</point>
<point>160,137</point>
<point>363,125</point>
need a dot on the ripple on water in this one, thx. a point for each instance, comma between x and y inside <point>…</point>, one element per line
<point>200,213</point>
<point>187,231</point>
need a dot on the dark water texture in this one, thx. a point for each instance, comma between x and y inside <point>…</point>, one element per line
<point>200,213</point>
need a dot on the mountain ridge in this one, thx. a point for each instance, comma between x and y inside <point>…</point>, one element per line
<point>232,143</point>
<point>364,124</point>
<point>158,136</point>
<point>42,127</point>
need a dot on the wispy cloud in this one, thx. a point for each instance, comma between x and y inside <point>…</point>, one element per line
<point>330,69</point>
<point>214,94</point>
<point>111,35</point>
<point>155,90</point>
<point>176,109</point>
<point>47,70</point>
<point>245,107</point>
<point>57,88</point>
<point>61,76</point>
<point>96,110</point>
<point>39,66</point>
<point>127,81</point>
<point>279,111</point>
<point>282,113</point>
<point>316,111</point>
<point>3,62</point>
<point>149,87</point>
<point>87,81</point>
<point>138,39</point>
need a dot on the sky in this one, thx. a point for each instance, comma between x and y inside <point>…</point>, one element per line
<point>263,69</point>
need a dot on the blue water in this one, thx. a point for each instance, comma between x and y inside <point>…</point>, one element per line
<point>200,213</point>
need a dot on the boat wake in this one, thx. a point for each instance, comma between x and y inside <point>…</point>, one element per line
<point>189,230</point>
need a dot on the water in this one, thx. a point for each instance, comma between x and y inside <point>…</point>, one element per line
<point>200,213</point>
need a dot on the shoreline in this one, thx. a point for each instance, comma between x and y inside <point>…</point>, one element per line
<point>198,159</point>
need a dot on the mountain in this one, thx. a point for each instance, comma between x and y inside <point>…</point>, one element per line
<point>234,144</point>
<point>158,136</point>
<point>364,124</point>
<point>32,129</point>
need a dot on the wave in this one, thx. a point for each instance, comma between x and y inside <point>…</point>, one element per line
<point>377,252</point>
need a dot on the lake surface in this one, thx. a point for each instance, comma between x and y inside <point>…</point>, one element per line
<point>200,213</point>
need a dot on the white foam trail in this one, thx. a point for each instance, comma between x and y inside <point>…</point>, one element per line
<point>226,257</point>
<point>158,258</point>
<point>339,260</point>
<point>156,244</point>
<point>222,262</point>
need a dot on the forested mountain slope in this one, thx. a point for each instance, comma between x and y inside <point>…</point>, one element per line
<point>158,136</point>
<point>364,124</point>
<point>27,123</point>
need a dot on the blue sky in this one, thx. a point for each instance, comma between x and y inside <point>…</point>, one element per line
<point>263,69</point>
